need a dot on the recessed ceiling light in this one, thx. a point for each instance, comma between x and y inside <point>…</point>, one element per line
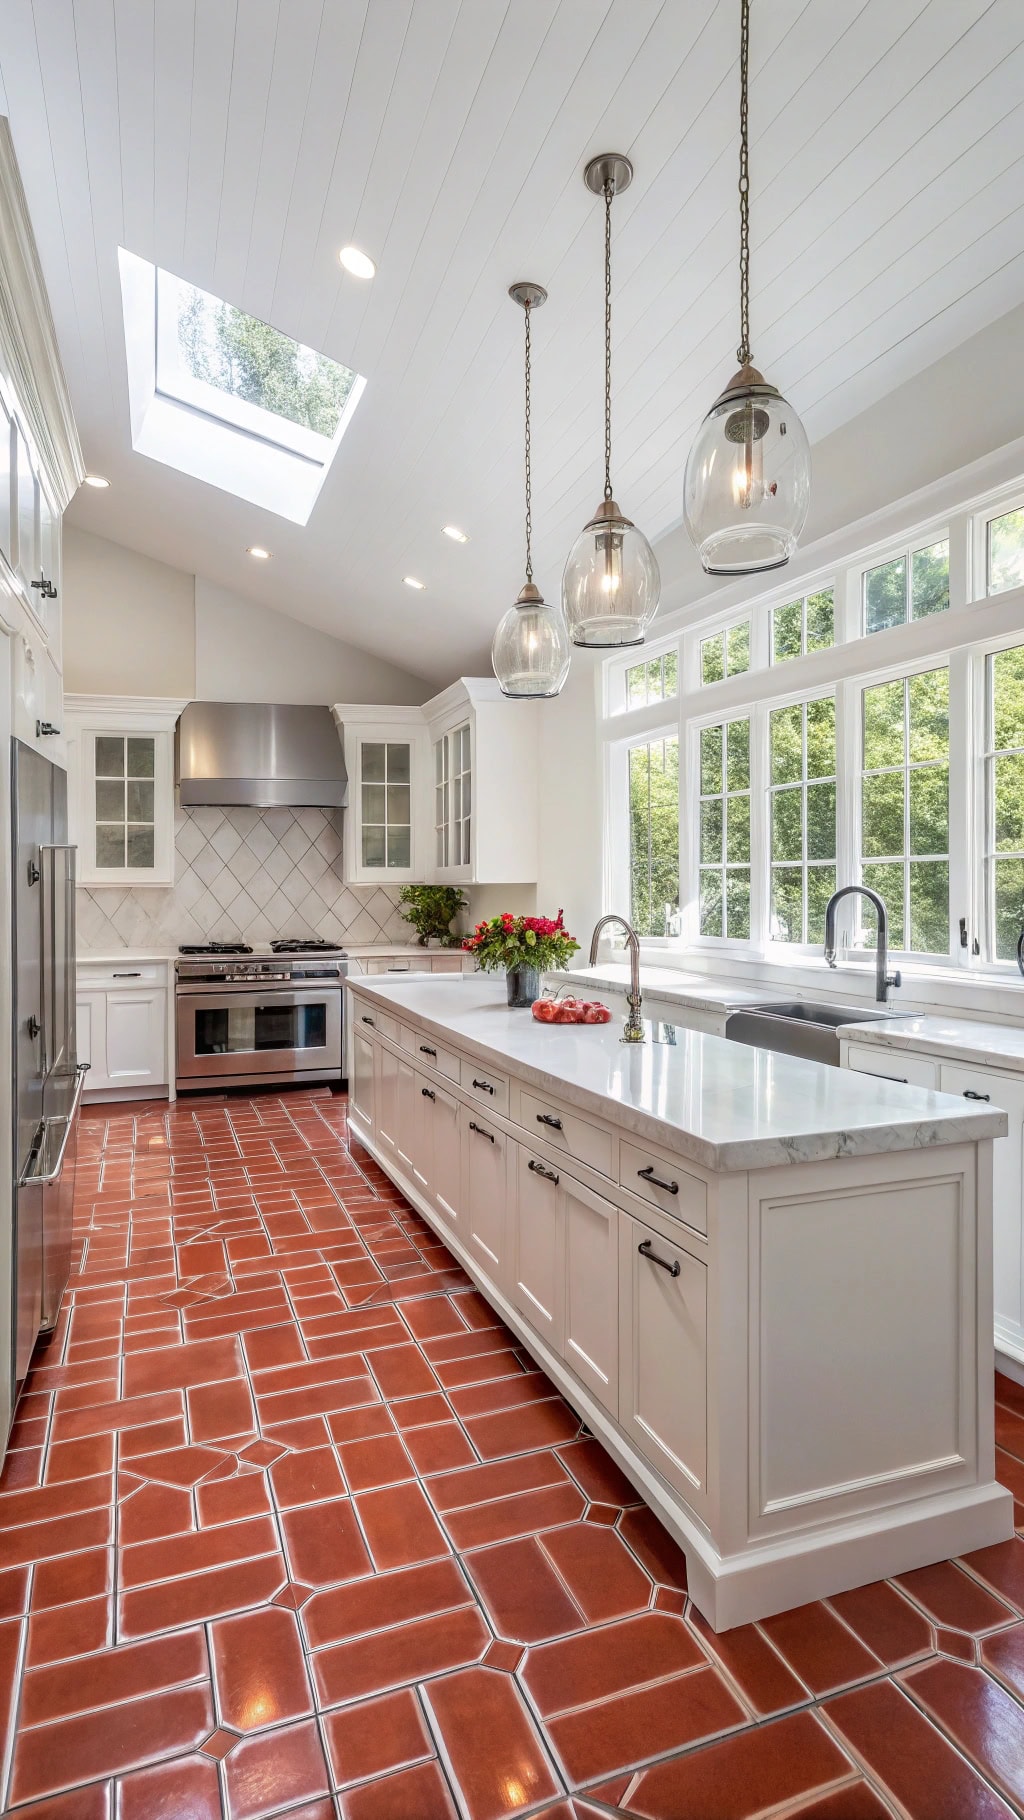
<point>359,264</point>
<point>455,534</point>
<point>411,581</point>
<point>96,480</point>
<point>257,550</point>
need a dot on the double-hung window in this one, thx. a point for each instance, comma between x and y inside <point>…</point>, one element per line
<point>802,816</point>
<point>904,846</point>
<point>1004,804</point>
<point>725,830</point>
<point>654,836</point>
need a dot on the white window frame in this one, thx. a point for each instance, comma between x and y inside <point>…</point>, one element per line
<point>905,551</point>
<point>1000,507</point>
<point>983,909</point>
<point>689,867</point>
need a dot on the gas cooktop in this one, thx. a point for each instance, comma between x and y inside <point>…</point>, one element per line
<point>303,945</point>
<point>214,948</point>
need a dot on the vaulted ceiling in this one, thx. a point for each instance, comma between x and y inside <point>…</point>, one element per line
<point>240,143</point>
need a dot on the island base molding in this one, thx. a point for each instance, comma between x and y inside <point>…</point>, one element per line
<point>767,1576</point>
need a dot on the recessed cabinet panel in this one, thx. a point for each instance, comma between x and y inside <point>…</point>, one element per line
<point>444,1153</point>
<point>663,1367</point>
<point>978,1085</point>
<point>539,1263</point>
<point>387,1100</point>
<point>135,1023</point>
<point>361,1084</point>
<point>484,1193</point>
<point>590,1342</point>
<point>91,1038</point>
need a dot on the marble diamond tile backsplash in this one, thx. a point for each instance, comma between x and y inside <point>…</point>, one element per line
<point>245,875</point>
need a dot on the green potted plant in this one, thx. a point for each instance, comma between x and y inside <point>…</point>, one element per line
<point>523,947</point>
<point>431,909</point>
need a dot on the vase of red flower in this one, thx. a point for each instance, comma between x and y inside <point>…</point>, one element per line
<point>523,947</point>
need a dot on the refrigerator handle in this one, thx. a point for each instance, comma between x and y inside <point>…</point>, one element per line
<point>58,982</point>
<point>30,1178</point>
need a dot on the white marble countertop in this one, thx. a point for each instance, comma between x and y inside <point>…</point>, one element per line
<point>969,1040</point>
<point>672,985</point>
<point>724,1105</point>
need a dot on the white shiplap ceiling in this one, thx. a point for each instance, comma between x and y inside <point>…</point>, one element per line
<point>241,144</point>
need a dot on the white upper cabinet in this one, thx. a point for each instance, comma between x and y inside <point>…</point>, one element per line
<point>121,794</point>
<point>387,755</point>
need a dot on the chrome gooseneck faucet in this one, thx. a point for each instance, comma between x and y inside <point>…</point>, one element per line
<point>883,978</point>
<point>634,1030</point>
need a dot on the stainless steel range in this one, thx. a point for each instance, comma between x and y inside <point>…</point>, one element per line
<point>265,1017</point>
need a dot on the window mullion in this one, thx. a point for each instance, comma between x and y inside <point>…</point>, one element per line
<point>760,811</point>
<point>965,860</point>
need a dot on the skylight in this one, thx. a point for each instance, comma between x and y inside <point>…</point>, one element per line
<point>228,398</point>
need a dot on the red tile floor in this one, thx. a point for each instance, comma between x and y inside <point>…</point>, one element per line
<point>291,1526</point>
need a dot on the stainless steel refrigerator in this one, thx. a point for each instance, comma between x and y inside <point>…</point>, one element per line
<point>48,1077</point>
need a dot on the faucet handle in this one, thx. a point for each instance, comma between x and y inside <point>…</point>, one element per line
<point>894,979</point>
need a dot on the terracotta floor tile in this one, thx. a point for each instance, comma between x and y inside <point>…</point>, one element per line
<point>58,1536</point>
<point>395,1658</point>
<point>114,1675</point>
<point>762,1677</point>
<point>311,1477</point>
<point>105,1418</point>
<point>265,1772</point>
<point>1002,1568</point>
<point>1003,1655</point>
<point>45,1502</point>
<point>180,1557</point>
<point>538,1425</point>
<point>176,1367</point>
<point>951,1597</point>
<point>324,1544</point>
<point>270,1346</point>
<point>69,1630</point>
<point>383,1600</point>
<point>382,1461</point>
<point>200,1597</point>
<point>643,1723</point>
<point>884,1621</point>
<point>420,1793</point>
<point>454,1373</point>
<point>399,1526</point>
<point>320,1399</point>
<point>526,1600</point>
<point>655,1549</point>
<point>433,1316</point>
<point>599,1570</point>
<point>188,1789</point>
<point>819,1649</point>
<point>401,1371</point>
<point>441,1447</point>
<point>216,1411</point>
<point>751,1773</point>
<point>484,1484</point>
<point>521,1515</point>
<point>375,1737</point>
<point>182,1466</point>
<point>134,1732</point>
<point>153,1512</point>
<point>360,1424</point>
<point>230,1500</point>
<point>492,1750</point>
<point>597,1474</point>
<point>499,1394</point>
<point>855,1801</point>
<point>600,1664</point>
<point>259,1670</point>
<point>910,1757</point>
<point>79,1459</point>
<point>979,1716</point>
<point>77,1576</point>
<point>93,1803</point>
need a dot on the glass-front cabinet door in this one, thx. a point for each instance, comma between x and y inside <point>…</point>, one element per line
<point>122,800</point>
<point>385,805</point>
<point>453,799</point>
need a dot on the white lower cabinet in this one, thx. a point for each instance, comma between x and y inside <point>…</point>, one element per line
<point>122,1034</point>
<point>386,1090</point>
<point>538,1249</point>
<point>1006,1091</point>
<point>361,1083</point>
<point>663,1356</point>
<point>441,1149</point>
<point>485,1152</point>
<point>408,1124</point>
<point>565,1271</point>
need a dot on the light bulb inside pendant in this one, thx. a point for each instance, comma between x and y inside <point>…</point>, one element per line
<point>611,585</point>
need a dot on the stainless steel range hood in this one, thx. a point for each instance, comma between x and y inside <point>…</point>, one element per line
<point>264,755</point>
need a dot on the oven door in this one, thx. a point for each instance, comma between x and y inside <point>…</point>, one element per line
<point>258,1033</point>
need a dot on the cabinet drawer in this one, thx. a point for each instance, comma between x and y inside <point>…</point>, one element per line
<point>892,1065</point>
<point>429,1053</point>
<point>120,975</point>
<point>391,963</point>
<point>373,1019</point>
<point>658,1179</point>
<point>446,963</point>
<point>568,1132</point>
<point>489,1088</point>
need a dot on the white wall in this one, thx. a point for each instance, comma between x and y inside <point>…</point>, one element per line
<point>133,626</point>
<point>129,624</point>
<point>246,652</point>
<point>571,802</point>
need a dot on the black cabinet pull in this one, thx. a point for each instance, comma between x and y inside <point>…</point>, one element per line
<point>539,1169</point>
<point>480,1132</point>
<point>969,1094</point>
<point>425,1049</point>
<point>484,1086</point>
<point>127,976</point>
<point>647,1250</point>
<point>366,1020</point>
<point>648,1175</point>
<point>548,1118</point>
<point>428,1093</point>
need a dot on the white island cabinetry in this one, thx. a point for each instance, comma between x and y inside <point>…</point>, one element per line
<point>722,1258</point>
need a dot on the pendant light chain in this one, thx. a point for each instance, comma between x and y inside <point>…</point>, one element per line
<point>529,520</point>
<point>608,193</point>
<point>743,351</point>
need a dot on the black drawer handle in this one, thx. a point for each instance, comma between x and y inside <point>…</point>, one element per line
<point>548,1118</point>
<point>425,1049</point>
<point>428,1093</point>
<point>489,1135</point>
<point>539,1169</point>
<point>646,1250</point>
<point>128,976</point>
<point>484,1086</point>
<point>969,1094</point>
<point>648,1175</point>
<point>366,1020</point>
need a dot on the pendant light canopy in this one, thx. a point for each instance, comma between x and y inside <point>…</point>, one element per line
<point>530,653</point>
<point>748,477</point>
<point>611,585</point>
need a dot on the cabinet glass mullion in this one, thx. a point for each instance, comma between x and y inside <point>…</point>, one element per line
<point>386,804</point>
<point>124,802</point>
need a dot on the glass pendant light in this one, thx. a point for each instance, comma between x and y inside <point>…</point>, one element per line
<point>748,477</point>
<point>611,585</point>
<point>530,653</point>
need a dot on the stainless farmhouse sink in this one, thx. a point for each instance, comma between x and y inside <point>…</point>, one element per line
<point>797,1027</point>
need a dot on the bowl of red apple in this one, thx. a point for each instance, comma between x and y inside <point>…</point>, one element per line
<point>570,1011</point>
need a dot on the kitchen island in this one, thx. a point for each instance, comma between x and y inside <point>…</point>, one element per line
<point>765,1284</point>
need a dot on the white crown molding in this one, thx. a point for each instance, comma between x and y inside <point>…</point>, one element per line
<point>123,713</point>
<point>29,339</point>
